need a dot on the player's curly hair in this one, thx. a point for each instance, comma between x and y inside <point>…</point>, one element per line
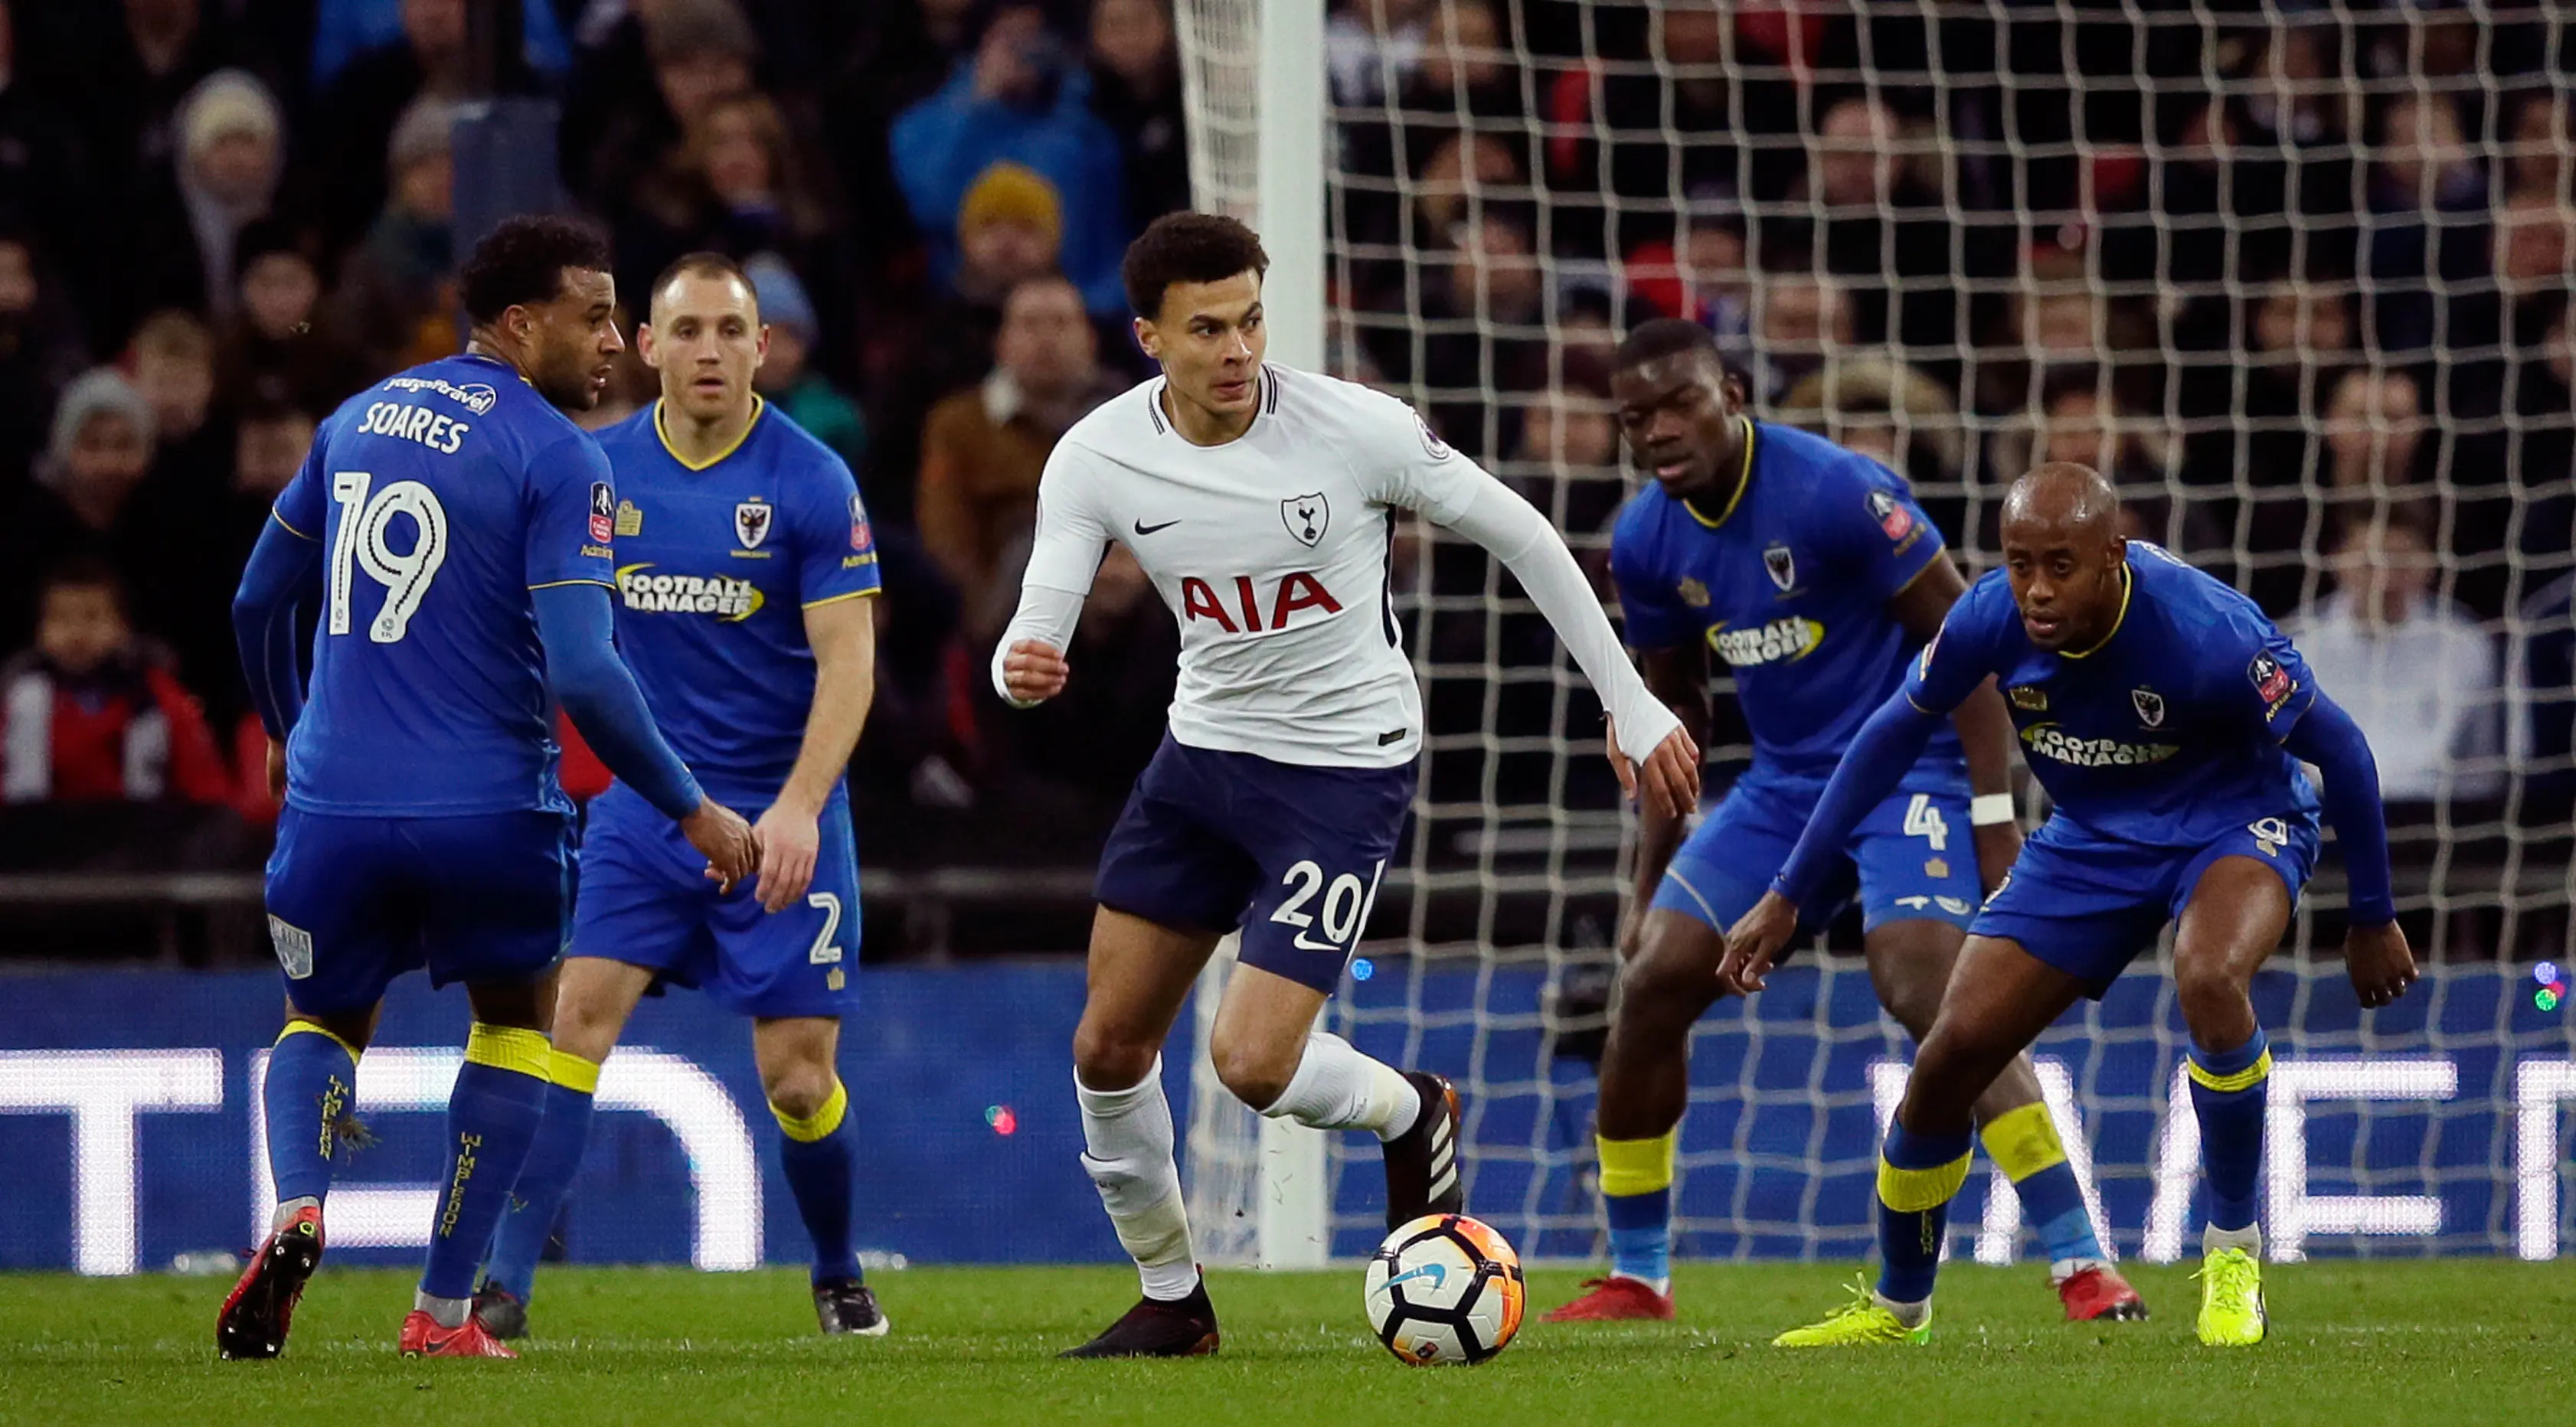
<point>1187,247</point>
<point>522,262</point>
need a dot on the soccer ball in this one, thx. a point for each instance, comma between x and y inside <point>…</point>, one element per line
<point>1444,1289</point>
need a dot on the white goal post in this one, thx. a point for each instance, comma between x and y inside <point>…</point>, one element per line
<point>1253,77</point>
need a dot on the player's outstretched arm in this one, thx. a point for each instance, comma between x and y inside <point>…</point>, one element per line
<point>843,635</point>
<point>1871,767</point>
<point>281,571</point>
<point>1655,757</point>
<point>2375,953</point>
<point>599,693</point>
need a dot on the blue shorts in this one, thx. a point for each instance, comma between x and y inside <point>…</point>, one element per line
<point>354,902</point>
<point>1213,840</point>
<point>646,901</point>
<point>2088,905</point>
<point>1913,857</point>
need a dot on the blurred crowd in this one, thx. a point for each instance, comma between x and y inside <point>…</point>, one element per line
<point>2298,276</point>
<point>221,218</point>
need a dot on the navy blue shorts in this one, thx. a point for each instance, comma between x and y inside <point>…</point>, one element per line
<point>1211,841</point>
<point>1913,856</point>
<point>2088,905</point>
<point>354,902</point>
<point>646,901</point>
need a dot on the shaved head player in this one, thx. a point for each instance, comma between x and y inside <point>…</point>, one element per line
<point>2167,719</point>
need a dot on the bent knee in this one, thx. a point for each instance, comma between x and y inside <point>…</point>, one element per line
<point>2206,985</point>
<point>1952,1055</point>
<point>800,1092</point>
<point>1257,1075</point>
<point>1105,1059</point>
<point>1914,1000</point>
<point>1673,977</point>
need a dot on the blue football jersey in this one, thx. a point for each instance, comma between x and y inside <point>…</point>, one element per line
<point>716,566</point>
<point>441,496</point>
<point>1789,587</point>
<point>2167,733</point>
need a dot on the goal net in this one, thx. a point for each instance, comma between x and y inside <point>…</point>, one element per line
<point>2295,276</point>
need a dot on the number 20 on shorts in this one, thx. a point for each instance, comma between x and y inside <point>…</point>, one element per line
<point>1346,905</point>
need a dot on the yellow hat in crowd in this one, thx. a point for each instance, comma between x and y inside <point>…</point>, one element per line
<point>1012,193</point>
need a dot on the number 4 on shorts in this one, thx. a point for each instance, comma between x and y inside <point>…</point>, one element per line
<point>1925,821</point>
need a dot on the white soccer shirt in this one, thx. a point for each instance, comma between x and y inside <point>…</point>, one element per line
<point>1272,549</point>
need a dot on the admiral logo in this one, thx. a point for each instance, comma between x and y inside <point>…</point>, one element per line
<point>1782,566</point>
<point>751,522</point>
<point>2150,706</point>
<point>2049,741</point>
<point>1954,906</point>
<point>1306,516</point>
<point>2029,696</point>
<point>1779,642</point>
<point>1893,519</point>
<point>473,396</point>
<point>294,947</point>
<point>1694,594</point>
<point>2270,834</point>
<point>730,600</point>
<point>603,512</point>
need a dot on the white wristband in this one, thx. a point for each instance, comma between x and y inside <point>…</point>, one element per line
<point>1988,809</point>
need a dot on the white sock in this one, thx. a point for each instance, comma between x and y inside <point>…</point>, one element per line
<point>288,1210</point>
<point>2214,1238</point>
<point>1337,1088</point>
<point>1127,1139</point>
<point>2060,1270</point>
<point>1909,1314</point>
<point>450,1312</point>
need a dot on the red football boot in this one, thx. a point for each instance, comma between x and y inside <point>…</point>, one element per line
<point>422,1337</point>
<point>254,1318</point>
<point>2096,1293</point>
<point>1616,1300</point>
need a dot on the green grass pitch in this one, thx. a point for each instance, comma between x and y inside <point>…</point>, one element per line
<point>2411,1343</point>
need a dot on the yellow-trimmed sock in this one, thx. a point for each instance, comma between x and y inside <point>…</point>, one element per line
<point>2024,1144</point>
<point>1637,1199</point>
<point>820,1158</point>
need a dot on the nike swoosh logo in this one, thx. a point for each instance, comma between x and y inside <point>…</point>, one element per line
<point>1143,529</point>
<point>1437,1273</point>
